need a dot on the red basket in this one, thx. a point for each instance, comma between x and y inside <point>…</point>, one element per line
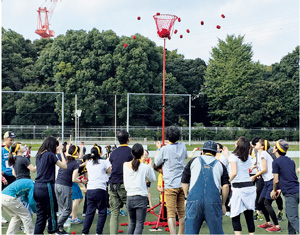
<point>164,24</point>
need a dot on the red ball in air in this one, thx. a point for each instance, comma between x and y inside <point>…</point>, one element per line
<point>125,45</point>
<point>223,16</point>
<point>179,20</point>
<point>181,36</point>
<point>188,31</point>
<point>138,18</point>
<point>73,232</point>
<point>198,148</point>
<point>157,13</point>
<point>202,22</point>
<point>120,231</point>
<point>218,26</point>
<point>175,31</point>
<point>134,37</point>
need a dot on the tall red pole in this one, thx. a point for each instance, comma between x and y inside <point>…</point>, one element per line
<point>164,83</point>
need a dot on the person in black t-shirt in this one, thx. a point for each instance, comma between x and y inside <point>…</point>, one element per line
<point>21,165</point>
<point>44,194</point>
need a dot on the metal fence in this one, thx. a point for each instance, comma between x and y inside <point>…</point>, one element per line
<point>151,133</point>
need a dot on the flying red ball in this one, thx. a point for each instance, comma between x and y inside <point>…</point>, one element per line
<point>218,26</point>
<point>175,31</point>
<point>157,13</point>
<point>188,31</point>
<point>125,45</point>
<point>73,232</point>
<point>181,36</point>
<point>138,18</point>
<point>134,37</point>
<point>179,20</point>
<point>202,22</point>
<point>223,16</point>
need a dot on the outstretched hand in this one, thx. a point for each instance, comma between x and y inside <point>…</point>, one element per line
<point>158,144</point>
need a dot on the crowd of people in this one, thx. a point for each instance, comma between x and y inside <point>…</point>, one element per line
<point>210,185</point>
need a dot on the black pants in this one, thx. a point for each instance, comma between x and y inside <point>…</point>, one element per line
<point>96,199</point>
<point>46,208</point>
<point>267,209</point>
<point>259,187</point>
<point>9,180</point>
<point>236,222</point>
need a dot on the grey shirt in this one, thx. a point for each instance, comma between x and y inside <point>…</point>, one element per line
<point>172,157</point>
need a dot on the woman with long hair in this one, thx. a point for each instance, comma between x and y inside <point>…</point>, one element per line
<point>63,189</point>
<point>97,169</point>
<point>243,189</point>
<point>44,193</point>
<point>135,175</point>
<point>21,165</point>
<point>264,164</point>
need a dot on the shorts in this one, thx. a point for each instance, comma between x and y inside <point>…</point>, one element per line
<point>77,194</point>
<point>175,200</point>
<point>267,189</point>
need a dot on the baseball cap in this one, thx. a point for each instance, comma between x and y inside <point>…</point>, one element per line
<point>9,134</point>
<point>210,145</point>
<point>282,145</point>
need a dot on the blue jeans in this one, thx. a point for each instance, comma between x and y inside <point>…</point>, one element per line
<point>204,203</point>
<point>137,210</point>
<point>291,210</point>
<point>96,199</point>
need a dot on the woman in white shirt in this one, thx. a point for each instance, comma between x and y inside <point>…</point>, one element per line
<point>265,161</point>
<point>243,189</point>
<point>96,190</point>
<point>135,175</point>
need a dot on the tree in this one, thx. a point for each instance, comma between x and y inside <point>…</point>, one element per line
<point>229,78</point>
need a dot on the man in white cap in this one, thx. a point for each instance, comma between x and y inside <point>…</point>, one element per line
<point>285,177</point>
<point>6,171</point>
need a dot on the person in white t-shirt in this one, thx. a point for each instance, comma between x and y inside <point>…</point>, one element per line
<point>96,190</point>
<point>243,189</point>
<point>135,175</point>
<point>264,163</point>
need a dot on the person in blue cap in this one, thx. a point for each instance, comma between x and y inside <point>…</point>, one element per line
<point>203,179</point>
<point>285,177</point>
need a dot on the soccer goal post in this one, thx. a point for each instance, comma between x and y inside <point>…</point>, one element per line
<point>158,94</point>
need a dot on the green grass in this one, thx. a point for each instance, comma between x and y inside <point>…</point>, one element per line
<point>227,226</point>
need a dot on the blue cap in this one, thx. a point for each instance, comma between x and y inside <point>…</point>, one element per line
<point>210,145</point>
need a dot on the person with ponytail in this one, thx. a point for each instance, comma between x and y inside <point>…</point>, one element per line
<point>44,193</point>
<point>264,163</point>
<point>137,194</point>
<point>21,165</point>
<point>96,195</point>
<point>77,197</point>
<point>63,189</point>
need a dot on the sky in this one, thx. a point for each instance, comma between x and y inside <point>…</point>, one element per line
<point>270,26</point>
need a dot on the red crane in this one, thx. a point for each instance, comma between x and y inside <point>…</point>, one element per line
<point>44,16</point>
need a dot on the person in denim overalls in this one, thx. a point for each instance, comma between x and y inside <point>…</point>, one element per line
<point>203,177</point>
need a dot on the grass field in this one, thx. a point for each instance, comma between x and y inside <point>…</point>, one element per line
<point>77,228</point>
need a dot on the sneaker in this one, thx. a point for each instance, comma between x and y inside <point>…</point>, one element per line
<point>4,221</point>
<point>279,216</point>
<point>61,232</point>
<point>108,212</point>
<point>257,217</point>
<point>76,221</point>
<point>227,213</point>
<point>83,214</point>
<point>274,229</point>
<point>123,213</point>
<point>265,225</point>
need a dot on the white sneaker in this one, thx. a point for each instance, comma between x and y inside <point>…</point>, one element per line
<point>4,221</point>
<point>227,213</point>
